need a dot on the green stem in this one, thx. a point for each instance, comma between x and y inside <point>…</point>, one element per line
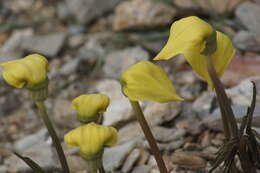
<point>149,136</point>
<point>226,110</point>
<point>43,113</point>
<point>245,160</point>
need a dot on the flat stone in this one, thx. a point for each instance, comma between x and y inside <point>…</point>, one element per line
<point>246,13</point>
<point>119,109</point>
<point>203,103</point>
<point>85,11</point>
<point>142,169</point>
<point>163,134</point>
<point>154,171</point>
<point>247,41</point>
<point>214,121</point>
<point>3,169</point>
<point>131,160</point>
<point>242,93</point>
<point>70,67</point>
<point>171,146</point>
<point>114,157</point>
<point>205,4</point>
<point>119,61</point>
<point>11,49</point>
<point>133,131</point>
<point>144,39</point>
<point>76,163</point>
<point>35,139</point>
<point>49,44</point>
<point>158,113</point>
<point>63,115</point>
<point>41,153</point>
<point>15,40</point>
<point>188,160</point>
<point>140,14</point>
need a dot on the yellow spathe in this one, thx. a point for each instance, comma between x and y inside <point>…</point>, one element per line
<point>30,70</point>
<point>147,81</point>
<point>189,36</point>
<point>89,106</point>
<point>91,138</point>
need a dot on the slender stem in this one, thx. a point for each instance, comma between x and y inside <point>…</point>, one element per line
<point>102,169</point>
<point>43,113</point>
<point>227,112</point>
<point>251,111</point>
<point>149,136</point>
<point>245,161</point>
<point>224,122</point>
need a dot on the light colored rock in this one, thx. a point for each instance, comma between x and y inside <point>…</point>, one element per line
<point>48,44</point>
<point>35,139</point>
<point>242,93</point>
<point>15,40</point>
<point>114,157</point>
<point>76,163</point>
<point>154,171</point>
<point>119,61</point>
<point>11,49</point>
<point>203,103</point>
<point>119,109</point>
<point>70,67</point>
<point>63,11</point>
<point>133,131</point>
<point>3,169</point>
<point>139,14</point>
<point>41,153</point>
<point>152,161</point>
<point>144,156</point>
<point>158,113</point>
<point>214,120</point>
<point>144,39</point>
<point>247,41</point>
<point>142,169</point>
<point>188,160</point>
<point>63,115</point>
<point>163,134</point>
<point>131,160</point>
<point>208,5</point>
<point>248,14</point>
<point>171,146</point>
<point>86,10</point>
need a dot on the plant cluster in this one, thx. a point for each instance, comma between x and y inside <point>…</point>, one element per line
<point>207,51</point>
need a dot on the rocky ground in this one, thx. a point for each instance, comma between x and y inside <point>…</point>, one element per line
<point>88,44</point>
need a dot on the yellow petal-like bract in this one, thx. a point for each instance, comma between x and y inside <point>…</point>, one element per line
<point>91,139</point>
<point>189,36</point>
<point>147,81</point>
<point>89,106</point>
<point>30,70</point>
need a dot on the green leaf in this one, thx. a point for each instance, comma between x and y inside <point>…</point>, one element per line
<point>35,167</point>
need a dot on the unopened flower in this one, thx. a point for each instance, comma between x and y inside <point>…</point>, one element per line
<point>147,81</point>
<point>196,39</point>
<point>89,106</point>
<point>30,71</point>
<point>91,139</point>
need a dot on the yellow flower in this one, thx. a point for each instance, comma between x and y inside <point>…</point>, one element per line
<point>89,106</point>
<point>191,36</point>
<point>91,139</point>
<point>147,81</point>
<point>30,70</point>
